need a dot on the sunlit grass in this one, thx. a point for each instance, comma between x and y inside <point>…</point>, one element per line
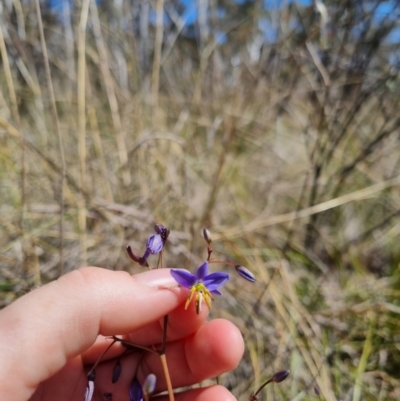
<point>231,149</point>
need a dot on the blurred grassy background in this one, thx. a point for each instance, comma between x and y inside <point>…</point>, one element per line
<point>276,126</point>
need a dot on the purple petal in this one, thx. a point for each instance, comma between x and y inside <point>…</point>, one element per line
<point>135,391</point>
<point>215,280</point>
<point>183,277</point>
<point>154,244</point>
<point>202,271</point>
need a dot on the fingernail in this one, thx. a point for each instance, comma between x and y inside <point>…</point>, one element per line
<point>156,278</point>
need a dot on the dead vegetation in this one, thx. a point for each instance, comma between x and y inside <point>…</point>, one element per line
<point>276,128</point>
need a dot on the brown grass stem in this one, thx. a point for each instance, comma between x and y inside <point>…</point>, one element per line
<point>57,129</point>
<point>321,207</point>
<point>28,253</point>
<point>112,98</point>
<point>82,127</point>
<point>155,78</point>
<point>167,377</point>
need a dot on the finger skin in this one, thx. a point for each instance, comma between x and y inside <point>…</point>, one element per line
<point>43,335</point>
<point>44,329</point>
<point>212,393</point>
<point>215,348</point>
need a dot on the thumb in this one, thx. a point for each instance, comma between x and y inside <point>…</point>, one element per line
<point>42,330</point>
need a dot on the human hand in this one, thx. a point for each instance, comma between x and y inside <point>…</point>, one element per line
<point>52,336</point>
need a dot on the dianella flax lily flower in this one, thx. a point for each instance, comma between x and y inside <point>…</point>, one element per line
<point>201,284</point>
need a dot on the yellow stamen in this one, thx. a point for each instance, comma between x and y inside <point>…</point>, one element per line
<point>202,293</point>
<point>191,293</point>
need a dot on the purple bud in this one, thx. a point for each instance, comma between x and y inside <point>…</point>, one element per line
<point>207,236</point>
<point>135,391</point>
<point>91,375</point>
<point>89,391</point>
<point>280,376</point>
<point>149,384</point>
<point>245,273</point>
<point>90,386</point>
<point>116,372</point>
<point>163,231</point>
<point>154,244</point>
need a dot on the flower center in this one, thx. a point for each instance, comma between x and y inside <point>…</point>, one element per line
<point>202,293</point>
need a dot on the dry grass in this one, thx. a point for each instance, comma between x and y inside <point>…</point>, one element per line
<point>296,176</point>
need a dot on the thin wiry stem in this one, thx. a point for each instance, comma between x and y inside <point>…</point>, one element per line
<point>112,98</point>
<point>155,79</point>
<point>58,131</point>
<point>15,115</point>
<point>82,126</point>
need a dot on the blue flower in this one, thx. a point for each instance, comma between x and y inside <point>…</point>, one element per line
<point>201,283</point>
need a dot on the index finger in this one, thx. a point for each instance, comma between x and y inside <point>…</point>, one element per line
<point>42,330</point>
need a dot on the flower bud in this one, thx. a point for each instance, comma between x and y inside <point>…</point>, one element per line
<point>154,244</point>
<point>90,386</point>
<point>280,376</point>
<point>116,372</point>
<point>245,273</point>
<point>149,384</point>
<point>207,236</point>
<point>89,391</point>
<point>135,391</point>
<point>162,231</point>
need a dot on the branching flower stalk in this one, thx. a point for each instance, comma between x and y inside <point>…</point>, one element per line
<point>241,270</point>
<point>202,286</point>
<point>160,353</point>
<point>135,391</point>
